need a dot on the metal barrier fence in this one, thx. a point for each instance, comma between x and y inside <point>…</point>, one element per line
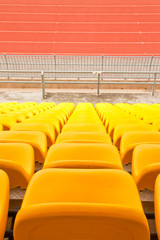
<point>98,74</point>
<point>57,63</point>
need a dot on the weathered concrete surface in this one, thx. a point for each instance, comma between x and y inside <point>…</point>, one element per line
<point>80,95</point>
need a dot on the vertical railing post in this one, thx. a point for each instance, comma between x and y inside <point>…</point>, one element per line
<point>98,83</point>
<point>150,66</point>
<point>43,85</point>
<point>55,66</point>
<point>102,67</point>
<point>154,84</point>
<point>5,58</point>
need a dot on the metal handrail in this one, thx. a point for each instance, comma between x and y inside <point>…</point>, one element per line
<point>89,72</point>
<point>98,73</point>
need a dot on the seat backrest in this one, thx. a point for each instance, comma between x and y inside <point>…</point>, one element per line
<point>18,161</point>
<point>83,127</point>
<point>120,129</point>
<point>83,137</point>
<point>4,202</point>
<point>86,203</point>
<point>36,139</point>
<point>146,165</point>
<point>90,155</point>
<point>157,205</point>
<point>46,128</point>
<point>130,140</point>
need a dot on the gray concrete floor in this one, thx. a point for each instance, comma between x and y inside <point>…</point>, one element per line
<point>80,95</point>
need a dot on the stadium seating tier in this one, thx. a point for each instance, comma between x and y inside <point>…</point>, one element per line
<point>82,153</point>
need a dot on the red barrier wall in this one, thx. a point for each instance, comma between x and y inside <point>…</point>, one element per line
<point>89,27</point>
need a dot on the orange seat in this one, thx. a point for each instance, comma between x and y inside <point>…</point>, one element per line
<point>157,204</point>
<point>17,160</point>
<point>146,165</point>
<point>82,155</point>
<point>120,129</point>
<point>7,121</point>
<point>83,137</point>
<point>1,127</point>
<point>36,139</point>
<point>83,127</point>
<point>131,139</point>
<point>81,204</point>
<point>46,128</point>
<point>46,120</point>
<point>4,202</point>
<point>113,123</point>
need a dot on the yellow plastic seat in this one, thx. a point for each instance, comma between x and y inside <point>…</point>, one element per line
<point>36,139</point>
<point>1,127</point>
<point>156,124</point>
<point>149,119</point>
<point>85,120</point>
<point>146,165</point>
<point>53,121</point>
<point>157,205</point>
<point>46,128</point>
<point>17,160</point>
<point>58,115</point>
<point>83,127</point>
<point>83,137</point>
<point>117,121</point>
<point>130,140</point>
<point>5,110</point>
<point>120,129</point>
<point>82,155</point>
<point>114,116</point>
<point>8,121</point>
<point>81,204</point>
<point>20,117</point>
<point>4,202</point>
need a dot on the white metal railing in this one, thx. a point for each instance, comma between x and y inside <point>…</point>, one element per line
<point>60,63</point>
<point>97,74</point>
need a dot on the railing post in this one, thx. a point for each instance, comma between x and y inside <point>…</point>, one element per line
<point>102,67</point>
<point>5,57</point>
<point>98,83</point>
<point>55,66</point>
<point>154,84</point>
<point>43,85</point>
<point>150,65</point>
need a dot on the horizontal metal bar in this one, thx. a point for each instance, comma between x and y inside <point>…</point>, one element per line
<point>138,83</point>
<point>28,71</point>
<point>130,72</point>
<point>79,76</point>
<point>76,82</point>
<point>20,71</point>
<point>66,82</point>
<point>30,81</point>
<point>80,56</point>
<point>106,72</point>
<point>83,72</point>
